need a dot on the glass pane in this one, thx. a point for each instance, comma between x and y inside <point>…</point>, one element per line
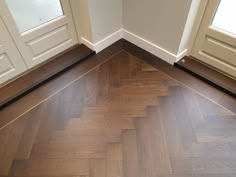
<point>29,14</point>
<point>225,17</point>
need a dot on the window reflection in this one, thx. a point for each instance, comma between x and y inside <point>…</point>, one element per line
<point>29,14</point>
<point>225,17</point>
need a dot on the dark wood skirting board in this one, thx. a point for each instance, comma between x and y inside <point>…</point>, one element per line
<point>205,73</point>
<point>41,75</point>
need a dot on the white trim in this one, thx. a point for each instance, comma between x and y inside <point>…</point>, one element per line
<point>109,40</point>
<point>133,38</point>
<point>196,25</point>
<point>104,43</point>
<point>181,55</point>
<point>87,43</point>
<point>151,47</point>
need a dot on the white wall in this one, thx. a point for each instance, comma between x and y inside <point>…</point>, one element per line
<point>97,19</point>
<point>161,22</point>
<point>106,17</point>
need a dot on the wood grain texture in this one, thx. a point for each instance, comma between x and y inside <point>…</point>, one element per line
<point>114,160</point>
<point>46,91</point>
<point>198,85</point>
<point>133,122</point>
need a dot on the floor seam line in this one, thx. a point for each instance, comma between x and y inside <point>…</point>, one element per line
<point>186,85</point>
<point>12,121</point>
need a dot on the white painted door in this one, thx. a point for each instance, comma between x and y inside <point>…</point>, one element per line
<point>11,62</point>
<point>40,28</point>
<point>215,44</point>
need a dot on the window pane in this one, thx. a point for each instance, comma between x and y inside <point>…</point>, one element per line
<point>29,14</point>
<point>225,17</point>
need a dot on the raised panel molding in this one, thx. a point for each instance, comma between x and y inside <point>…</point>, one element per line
<point>214,46</point>
<point>219,50</point>
<point>5,65</point>
<point>49,40</point>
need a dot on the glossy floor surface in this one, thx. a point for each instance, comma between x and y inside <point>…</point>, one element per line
<point>121,118</point>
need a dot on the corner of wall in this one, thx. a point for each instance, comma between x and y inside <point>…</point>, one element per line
<point>150,47</point>
<point>106,18</point>
<point>100,38</point>
<point>104,43</point>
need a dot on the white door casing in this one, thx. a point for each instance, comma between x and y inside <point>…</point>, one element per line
<point>11,62</point>
<point>214,46</point>
<point>45,41</point>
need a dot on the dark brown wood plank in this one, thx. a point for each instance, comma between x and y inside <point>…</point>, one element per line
<point>101,123</point>
<point>130,155</point>
<point>44,92</point>
<point>189,80</point>
<point>208,74</point>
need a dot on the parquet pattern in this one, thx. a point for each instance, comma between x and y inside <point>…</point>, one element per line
<point>123,119</point>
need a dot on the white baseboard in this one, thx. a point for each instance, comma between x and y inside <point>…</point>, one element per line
<point>104,43</point>
<point>152,48</point>
<point>136,40</point>
<point>109,40</point>
<point>87,43</point>
<point>181,55</point>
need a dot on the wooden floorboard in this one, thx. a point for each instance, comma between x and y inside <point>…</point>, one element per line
<point>51,88</point>
<point>116,120</point>
<point>209,91</point>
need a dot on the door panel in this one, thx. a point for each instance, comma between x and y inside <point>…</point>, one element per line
<point>219,50</point>
<point>45,40</point>
<point>11,63</point>
<point>213,45</point>
<point>49,40</point>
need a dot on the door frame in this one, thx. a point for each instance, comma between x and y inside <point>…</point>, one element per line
<point>204,29</point>
<point>197,23</point>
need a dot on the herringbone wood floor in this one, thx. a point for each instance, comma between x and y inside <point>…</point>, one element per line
<point>122,119</point>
